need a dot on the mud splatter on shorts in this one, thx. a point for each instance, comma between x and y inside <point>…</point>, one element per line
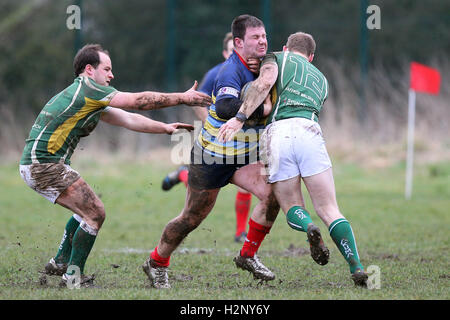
<point>48,179</point>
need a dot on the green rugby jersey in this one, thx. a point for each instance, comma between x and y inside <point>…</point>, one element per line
<point>300,89</point>
<point>68,116</point>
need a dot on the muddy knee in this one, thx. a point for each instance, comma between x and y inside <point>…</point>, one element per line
<point>97,215</point>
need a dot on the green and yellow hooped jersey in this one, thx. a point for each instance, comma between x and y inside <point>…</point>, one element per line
<point>300,89</point>
<point>70,115</point>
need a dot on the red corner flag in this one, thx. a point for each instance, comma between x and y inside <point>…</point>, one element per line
<point>424,79</point>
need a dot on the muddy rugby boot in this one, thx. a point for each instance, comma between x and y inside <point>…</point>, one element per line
<point>360,278</point>
<point>319,252</point>
<point>254,266</point>
<point>53,268</point>
<point>157,275</point>
<point>172,178</point>
<point>85,281</point>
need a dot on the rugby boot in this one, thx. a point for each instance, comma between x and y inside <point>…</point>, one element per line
<point>172,178</point>
<point>254,266</point>
<point>360,278</point>
<point>158,276</point>
<point>53,268</point>
<point>86,281</point>
<point>319,252</point>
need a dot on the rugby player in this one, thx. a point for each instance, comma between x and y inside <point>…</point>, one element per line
<point>70,115</point>
<point>294,149</point>
<point>213,165</point>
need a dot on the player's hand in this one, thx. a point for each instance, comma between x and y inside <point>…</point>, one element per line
<point>172,128</point>
<point>253,64</point>
<point>192,97</point>
<point>229,129</point>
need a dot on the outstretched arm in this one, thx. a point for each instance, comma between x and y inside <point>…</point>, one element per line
<point>149,100</point>
<point>257,93</point>
<point>140,123</point>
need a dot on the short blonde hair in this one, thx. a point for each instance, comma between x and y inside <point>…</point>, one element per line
<point>228,37</point>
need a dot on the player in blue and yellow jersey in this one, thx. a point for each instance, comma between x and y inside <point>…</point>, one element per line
<point>243,197</point>
<point>214,164</point>
<point>65,119</point>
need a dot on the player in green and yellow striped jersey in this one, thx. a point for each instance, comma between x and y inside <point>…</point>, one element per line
<point>65,119</point>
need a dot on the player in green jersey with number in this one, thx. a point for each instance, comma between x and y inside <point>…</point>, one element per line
<point>294,149</point>
<point>70,115</point>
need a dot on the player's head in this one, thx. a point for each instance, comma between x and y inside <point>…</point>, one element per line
<point>93,61</point>
<point>249,36</point>
<point>227,45</point>
<point>302,43</point>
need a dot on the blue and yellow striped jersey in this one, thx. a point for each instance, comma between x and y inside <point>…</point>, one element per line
<point>233,75</point>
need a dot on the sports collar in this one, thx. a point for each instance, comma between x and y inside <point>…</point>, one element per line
<point>242,60</point>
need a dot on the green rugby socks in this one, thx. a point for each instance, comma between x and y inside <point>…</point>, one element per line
<point>65,248</point>
<point>82,243</point>
<point>298,218</point>
<point>342,234</point>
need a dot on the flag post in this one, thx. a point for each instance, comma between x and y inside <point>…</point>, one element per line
<point>410,147</point>
<point>422,79</point>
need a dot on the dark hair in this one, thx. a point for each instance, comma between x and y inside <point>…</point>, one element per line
<point>87,55</point>
<point>241,23</point>
<point>227,38</point>
<point>301,42</point>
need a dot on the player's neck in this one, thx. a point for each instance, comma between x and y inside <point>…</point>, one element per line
<point>242,58</point>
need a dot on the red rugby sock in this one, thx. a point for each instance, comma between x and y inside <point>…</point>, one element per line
<point>183,176</point>
<point>158,260</point>
<point>256,234</point>
<point>242,206</point>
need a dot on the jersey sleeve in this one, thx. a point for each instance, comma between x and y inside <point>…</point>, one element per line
<point>269,58</point>
<point>98,94</point>
<point>228,83</point>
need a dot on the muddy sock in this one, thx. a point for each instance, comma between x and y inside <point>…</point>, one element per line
<point>82,243</point>
<point>183,176</point>
<point>298,218</point>
<point>342,234</point>
<point>65,247</point>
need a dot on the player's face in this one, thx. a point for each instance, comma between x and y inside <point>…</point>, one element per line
<point>103,73</point>
<point>255,42</point>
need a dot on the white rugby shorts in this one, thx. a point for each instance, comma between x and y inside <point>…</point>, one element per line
<point>48,179</point>
<point>293,147</point>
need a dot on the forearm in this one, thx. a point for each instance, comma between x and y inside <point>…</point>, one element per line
<point>140,123</point>
<point>149,100</point>
<point>254,99</point>
<point>260,88</point>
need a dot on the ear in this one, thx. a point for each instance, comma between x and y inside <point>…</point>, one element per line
<point>285,48</point>
<point>311,57</point>
<point>238,43</point>
<point>89,69</point>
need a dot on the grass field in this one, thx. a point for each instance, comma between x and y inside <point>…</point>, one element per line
<point>407,240</point>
